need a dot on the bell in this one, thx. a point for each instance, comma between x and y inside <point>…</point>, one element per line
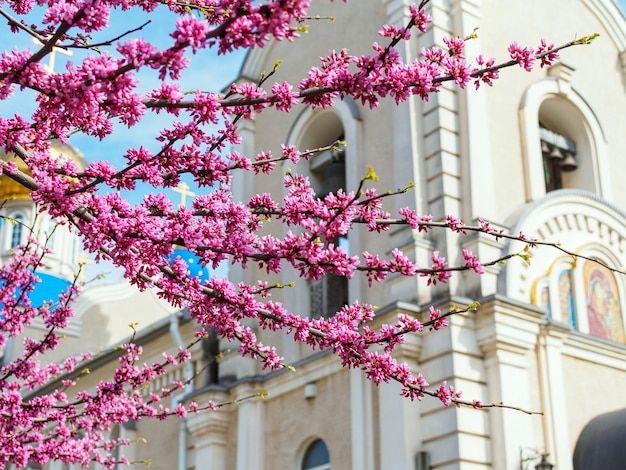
<point>545,148</point>
<point>569,162</point>
<point>556,154</point>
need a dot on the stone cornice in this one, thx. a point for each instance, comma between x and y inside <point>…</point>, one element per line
<point>507,326</point>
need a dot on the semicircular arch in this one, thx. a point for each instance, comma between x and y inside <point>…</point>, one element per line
<point>553,99</point>
<point>570,218</point>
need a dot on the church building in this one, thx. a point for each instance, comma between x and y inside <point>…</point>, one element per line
<point>540,153</point>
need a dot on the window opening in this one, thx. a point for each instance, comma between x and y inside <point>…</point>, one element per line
<point>559,156</point>
<point>330,293</point>
<point>211,352</point>
<point>16,233</point>
<point>316,457</point>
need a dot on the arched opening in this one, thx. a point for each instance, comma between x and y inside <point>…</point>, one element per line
<point>563,142</point>
<point>328,168</point>
<point>554,292</point>
<point>17,230</point>
<point>566,148</point>
<point>316,456</point>
<point>327,171</point>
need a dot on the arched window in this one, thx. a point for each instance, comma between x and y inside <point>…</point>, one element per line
<point>328,175</point>
<point>567,150</point>
<point>566,297</point>
<point>16,230</point>
<point>540,295</point>
<point>564,145</point>
<point>316,457</point>
<point>330,294</point>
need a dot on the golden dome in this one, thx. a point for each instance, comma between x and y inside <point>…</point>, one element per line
<point>11,190</point>
<point>61,151</point>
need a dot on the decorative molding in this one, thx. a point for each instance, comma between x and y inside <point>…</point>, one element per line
<point>571,217</point>
<point>205,424</point>
<point>563,74</point>
<point>610,15</point>
<point>114,291</point>
<point>595,350</point>
<point>73,328</point>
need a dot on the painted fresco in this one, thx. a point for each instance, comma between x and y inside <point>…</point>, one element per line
<point>566,298</point>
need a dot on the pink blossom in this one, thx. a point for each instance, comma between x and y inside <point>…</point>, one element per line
<point>471,261</point>
<point>191,31</point>
<point>437,320</point>
<point>548,55</point>
<point>486,77</point>
<point>438,271</point>
<point>420,17</point>
<point>523,55</point>
<point>285,97</point>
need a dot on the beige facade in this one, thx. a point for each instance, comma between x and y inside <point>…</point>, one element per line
<point>547,336</point>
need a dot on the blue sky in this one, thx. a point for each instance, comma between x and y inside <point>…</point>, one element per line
<point>207,71</point>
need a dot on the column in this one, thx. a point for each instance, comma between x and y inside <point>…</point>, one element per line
<point>400,428</point>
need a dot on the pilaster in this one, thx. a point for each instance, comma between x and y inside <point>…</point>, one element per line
<point>557,442</point>
<point>361,421</point>
<point>408,159</point>
<point>507,336</point>
<point>456,438</point>
<point>210,431</point>
<point>400,428</point>
<point>478,183</point>
<point>250,430</point>
<point>440,147</point>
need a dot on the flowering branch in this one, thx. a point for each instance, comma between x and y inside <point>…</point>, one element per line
<point>100,90</point>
